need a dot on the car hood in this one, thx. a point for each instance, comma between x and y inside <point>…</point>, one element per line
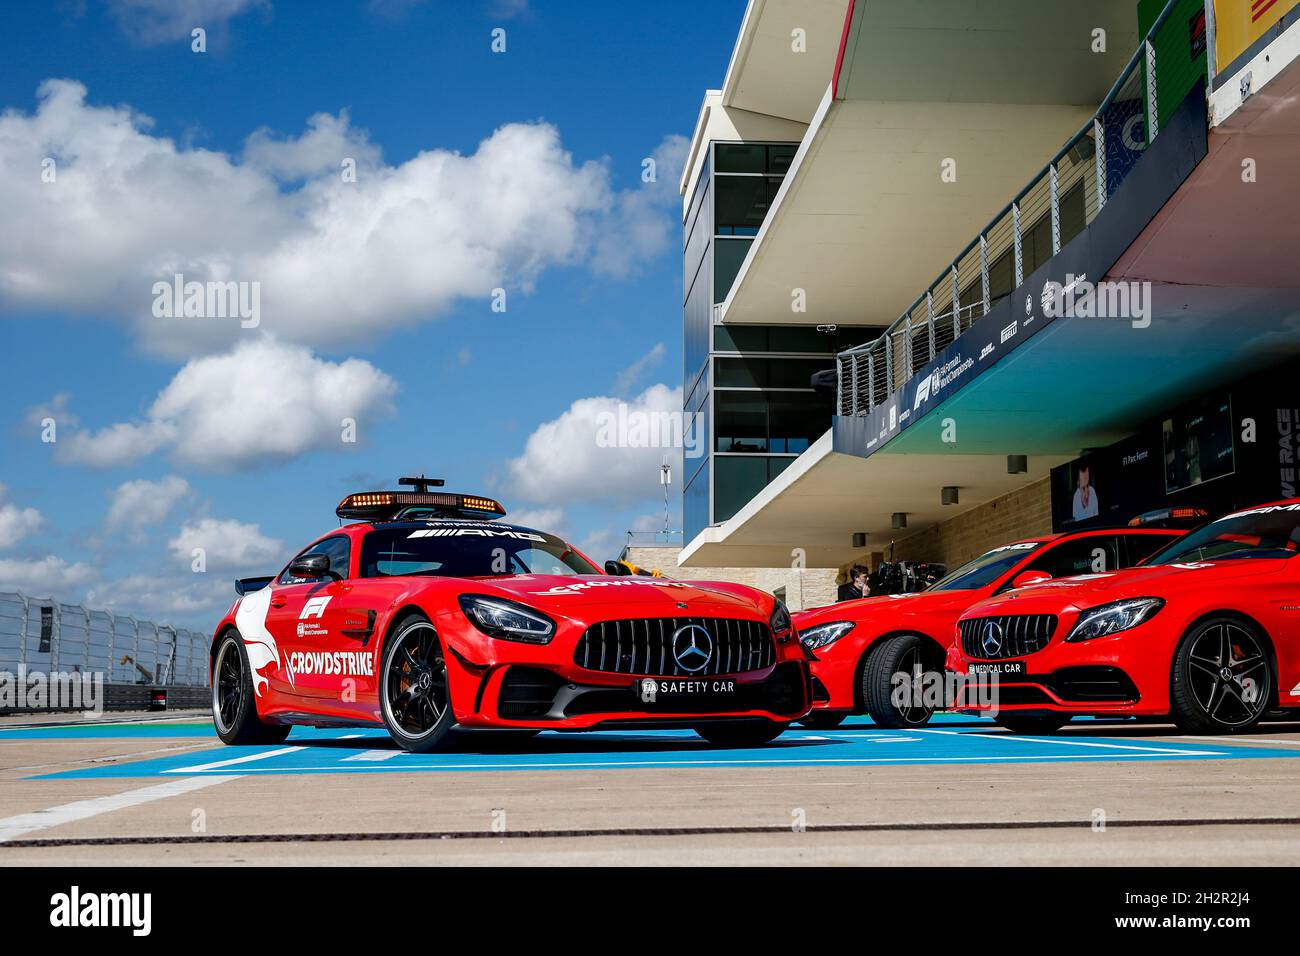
<point>1089,590</point>
<point>863,609</point>
<point>570,593</point>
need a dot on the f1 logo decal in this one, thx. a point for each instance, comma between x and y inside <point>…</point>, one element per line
<point>315,607</point>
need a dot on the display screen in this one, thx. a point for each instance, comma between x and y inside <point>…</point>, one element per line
<point>1198,444</point>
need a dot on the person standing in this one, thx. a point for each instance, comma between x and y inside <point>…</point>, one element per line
<point>856,586</point>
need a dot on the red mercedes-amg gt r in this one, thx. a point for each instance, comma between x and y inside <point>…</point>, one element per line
<point>430,613</point>
<point>859,646</point>
<point>1207,631</point>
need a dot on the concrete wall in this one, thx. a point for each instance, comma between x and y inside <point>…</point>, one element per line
<point>1024,513</point>
<point>1021,514</point>
<point>813,587</point>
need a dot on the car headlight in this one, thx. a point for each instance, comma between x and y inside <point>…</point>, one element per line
<point>497,617</point>
<point>1107,619</point>
<point>780,621</point>
<point>824,634</point>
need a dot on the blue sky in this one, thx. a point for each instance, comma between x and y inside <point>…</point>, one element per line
<point>176,432</point>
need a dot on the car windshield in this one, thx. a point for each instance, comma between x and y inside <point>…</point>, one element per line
<point>461,549</point>
<point>985,569</point>
<point>1269,532</point>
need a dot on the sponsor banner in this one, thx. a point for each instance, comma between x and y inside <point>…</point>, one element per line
<point>1239,23</point>
<point>1015,319</point>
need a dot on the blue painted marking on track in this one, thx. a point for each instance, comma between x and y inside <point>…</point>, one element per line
<point>949,739</point>
<point>131,731</point>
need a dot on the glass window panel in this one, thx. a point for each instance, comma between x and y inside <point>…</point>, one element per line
<point>740,338</point>
<point>740,158</point>
<point>779,158</point>
<point>741,419</point>
<point>737,481</point>
<point>728,254</point>
<point>742,204</point>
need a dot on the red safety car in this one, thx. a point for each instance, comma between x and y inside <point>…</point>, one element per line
<point>1207,632</point>
<point>858,647</point>
<point>431,613</point>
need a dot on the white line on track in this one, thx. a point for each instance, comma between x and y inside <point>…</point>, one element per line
<point>711,763</point>
<point>1067,742</point>
<point>13,827</point>
<point>208,767</point>
<point>375,755</point>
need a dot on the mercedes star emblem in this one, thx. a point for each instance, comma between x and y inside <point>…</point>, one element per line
<point>991,638</point>
<point>692,648</point>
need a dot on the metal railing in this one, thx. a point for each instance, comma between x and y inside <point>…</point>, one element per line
<point>50,636</point>
<point>647,539</point>
<point>1062,199</point>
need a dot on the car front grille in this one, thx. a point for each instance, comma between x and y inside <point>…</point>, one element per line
<point>646,646</point>
<point>1011,635</point>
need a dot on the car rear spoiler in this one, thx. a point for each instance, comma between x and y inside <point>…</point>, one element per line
<point>249,585</point>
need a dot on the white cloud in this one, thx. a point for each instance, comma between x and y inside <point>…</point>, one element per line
<point>45,577</point>
<point>56,408</point>
<point>140,503</point>
<point>227,545</point>
<point>549,520</point>
<point>629,377</point>
<point>158,21</point>
<point>644,220</point>
<point>563,459</point>
<point>263,401</point>
<point>16,523</point>
<point>158,597</point>
<point>320,149</point>
<point>129,208</point>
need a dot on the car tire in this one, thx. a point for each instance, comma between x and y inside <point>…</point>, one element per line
<point>823,719</point>
<point>885,659</point>
<point>1031,724</point>
<point>414,692</point>
<point>234,705</point>
<point>741,733</point>
<point>1202,699</point>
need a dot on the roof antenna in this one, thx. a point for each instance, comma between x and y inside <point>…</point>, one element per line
<point>421,483</point>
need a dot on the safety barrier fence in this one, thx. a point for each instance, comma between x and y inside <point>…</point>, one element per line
<point>44,635</point>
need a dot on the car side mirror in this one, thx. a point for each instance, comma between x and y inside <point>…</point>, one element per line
<point>1026,578</point>
<point>617,568</point>
<point>311,566</point>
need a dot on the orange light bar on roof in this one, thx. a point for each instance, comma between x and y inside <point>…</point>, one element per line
<point>384,505</point>
<point>481,504</point>
<point>1168,514</point>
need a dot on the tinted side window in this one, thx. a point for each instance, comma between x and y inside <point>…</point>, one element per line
<point>338,549</point>
<point>1080,556</point>
<point>1142,546</point>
